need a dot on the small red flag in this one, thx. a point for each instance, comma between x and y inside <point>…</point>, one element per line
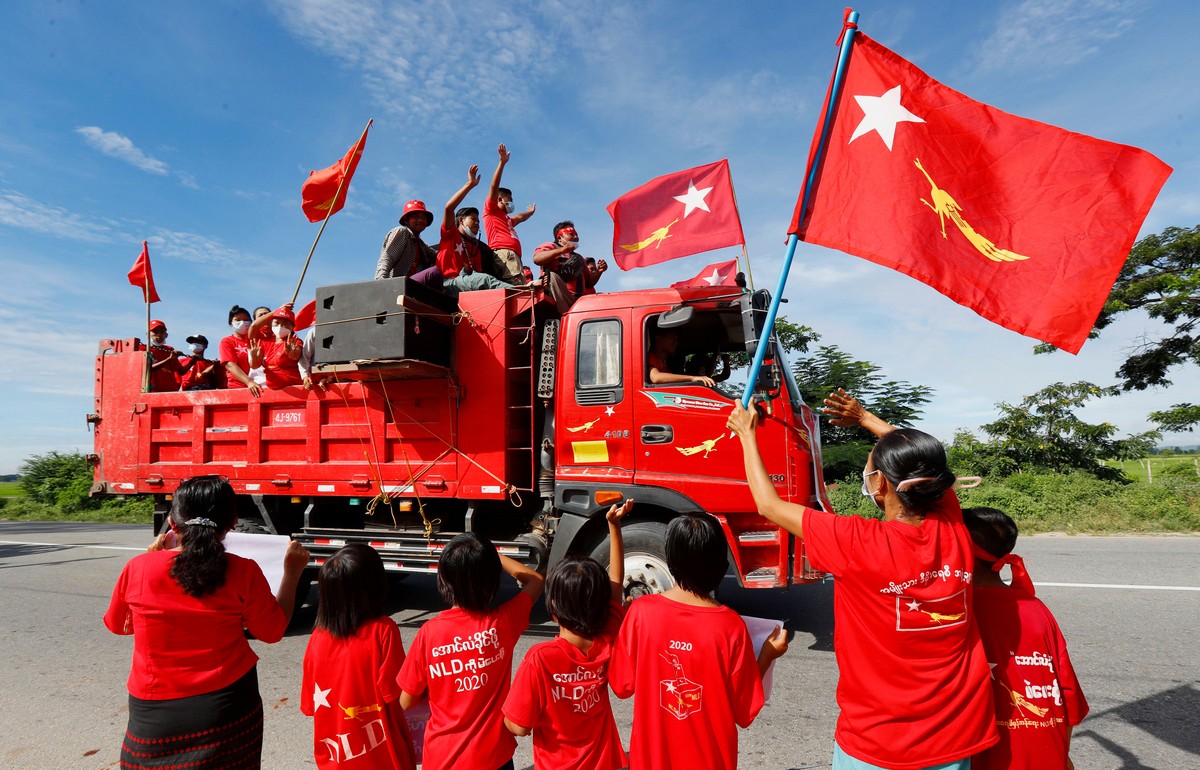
<point>141,276</point>
<point>720,274</point>
<point>1025,223</point>
<point>317,194</point>
<point>676,215</point>
<point>307,315</point>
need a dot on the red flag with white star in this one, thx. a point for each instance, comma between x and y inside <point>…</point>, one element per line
<point>319,190</point>
<point>676,215</point>
<point>720,274</point>
<point>1025,223</point>
<point>142,277</point>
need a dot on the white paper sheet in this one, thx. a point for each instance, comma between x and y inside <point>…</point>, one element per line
<point>760,629</point>
<point>265,550</point>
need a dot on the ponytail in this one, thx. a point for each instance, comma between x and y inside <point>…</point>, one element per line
<point>915,463</point>
<point>204,509</point>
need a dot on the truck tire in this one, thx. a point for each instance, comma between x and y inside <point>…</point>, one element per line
<point>250,527</point>
<point>645,558</point>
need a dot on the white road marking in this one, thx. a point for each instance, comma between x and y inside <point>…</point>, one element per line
<point>74,545</point>
<point>1119,585</point>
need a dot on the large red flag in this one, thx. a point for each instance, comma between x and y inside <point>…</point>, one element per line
<point>1025,223</point>
<point>317,194</point>
<point>676,215</point>
<point>307,315</point>
<point>141,276</point>
<point>720,274</point>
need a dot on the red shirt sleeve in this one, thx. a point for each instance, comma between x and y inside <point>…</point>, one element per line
<point>1072,695</point>
<point>307,675</point>
<point>412,672</point>
<point>830,541</point>
<point>525,703</point>
<point>622,670</point>
<point>118,619</point>
<point>261,614</point>
<point>746,681</point>
<point>391,648</point>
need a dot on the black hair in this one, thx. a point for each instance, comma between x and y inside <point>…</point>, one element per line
<point>590,260</point>
<point>235,311</point>
<point>469,572</point>
<point>262,307</point>
<point>352,587</point>
<point>697,553</point>
<point>992,530</point>
<point>465,212</point>
<point>578,593</point>
<point>203,510</point>
<point>503,191</point>
<point>908,453</point>
<point>561,225</point>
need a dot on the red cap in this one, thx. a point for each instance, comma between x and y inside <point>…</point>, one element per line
<point>157,325</point>
<point>285,314</point>
<point>416,207</point>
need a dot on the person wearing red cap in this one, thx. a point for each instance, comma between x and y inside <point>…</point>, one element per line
<point>459,260</point>
<point>1037,697</point>
<point>280,353</point>
<point>501,224</point>
<point>562,266</point>
<point>164,360</point>
<point>404,254</point>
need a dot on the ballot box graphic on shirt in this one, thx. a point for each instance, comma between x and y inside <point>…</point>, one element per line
<point>680,696</point>
<point>914,614</point>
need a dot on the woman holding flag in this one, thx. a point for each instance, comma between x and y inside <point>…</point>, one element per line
<point>913,679</point>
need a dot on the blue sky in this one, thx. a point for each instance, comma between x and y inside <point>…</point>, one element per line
<point>193,125</point>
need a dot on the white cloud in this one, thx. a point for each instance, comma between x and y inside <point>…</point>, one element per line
<point>121,147</point>
<point>21,211</point>
<point>199,249</point>
<point>1047,34</point>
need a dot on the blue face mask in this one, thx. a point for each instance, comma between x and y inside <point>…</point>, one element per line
<point>197,349</point>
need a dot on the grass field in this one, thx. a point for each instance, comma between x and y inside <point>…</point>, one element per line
<point>1136,469</point>
<point>10,489</point>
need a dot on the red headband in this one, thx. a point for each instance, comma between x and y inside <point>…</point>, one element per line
<point>1020,576</point>
<point>566,231</point>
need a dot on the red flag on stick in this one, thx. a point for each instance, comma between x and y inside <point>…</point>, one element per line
<point>321,187</point>
<point>307,315</point>
<point>720,274</point>
<point>1025,223</point>
<point>141,276</point>
<point>676,215</point>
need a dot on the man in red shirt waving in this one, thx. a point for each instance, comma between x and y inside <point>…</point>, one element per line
<point>501,224</point>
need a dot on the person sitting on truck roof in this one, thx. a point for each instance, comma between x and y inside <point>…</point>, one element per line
<point>404,254</point>
<point>592,272</point>
<point>279,355</point>
<point>663,344</point>
<point>164,360</point>
<point>460,263</point>
<point>467,220</point>
<point>234,352</point>
<point>562,266</point>
<point>500,223</point>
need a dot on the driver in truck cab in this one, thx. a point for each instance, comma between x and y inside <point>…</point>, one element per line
<point>663,344</point>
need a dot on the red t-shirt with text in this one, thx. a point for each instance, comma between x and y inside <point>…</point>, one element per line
<point>465,661</point>
<point>349,688</point>
<point>561,692</point>
<point>912,676</point>
<point>501,232</point>
<point>1037,697</point>
<point>280,369</point>
<point>696,679</point>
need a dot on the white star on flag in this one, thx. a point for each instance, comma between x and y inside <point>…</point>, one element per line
<point>714,279</point>
<point>320,697</point>
<point>693,199</point>
<point>881,114</point>
<point>913,606</point>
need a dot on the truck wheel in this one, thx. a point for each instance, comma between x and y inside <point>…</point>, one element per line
<point>645,558</point>
<point>250,527</point>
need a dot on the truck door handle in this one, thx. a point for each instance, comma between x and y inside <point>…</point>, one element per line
<point>657,434</point>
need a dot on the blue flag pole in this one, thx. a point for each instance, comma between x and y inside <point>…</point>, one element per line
<point>850,27</point>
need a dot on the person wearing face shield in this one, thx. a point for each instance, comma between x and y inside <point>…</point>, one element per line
<point>913,685</point>
<point>562,266</point>
<point>279,355</point>
<point>500,223</point>
<point>234,352</point>
<point>459,260</point>
<point>198,372</point>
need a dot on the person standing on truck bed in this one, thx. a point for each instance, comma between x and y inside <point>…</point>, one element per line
<point>663,344</point>
<point>164,360</point>
<point>562,266</point>
<point>459,261</point>
<point>404,254</point>
<point>500,223</point>
<point>234,352</point>
<point>278,355</point>
<point>198,372</point>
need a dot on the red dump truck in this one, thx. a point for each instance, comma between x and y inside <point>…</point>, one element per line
<point>490,414</point>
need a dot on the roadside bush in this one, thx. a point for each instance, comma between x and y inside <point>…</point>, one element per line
<point>43,477</point>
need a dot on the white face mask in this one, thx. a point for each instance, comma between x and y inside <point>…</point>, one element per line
<point>240,326</point>
<point>509,207</point>
<point>281,331</point>
<point>197,349</point>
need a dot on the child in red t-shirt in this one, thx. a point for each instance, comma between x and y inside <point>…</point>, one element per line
<point>1037,697</point>
<point>690,660</point>
<point>349,684</point>
<point>463,657</point>
<point>560,691</point>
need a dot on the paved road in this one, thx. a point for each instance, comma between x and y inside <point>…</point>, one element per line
<point>1135,650</point>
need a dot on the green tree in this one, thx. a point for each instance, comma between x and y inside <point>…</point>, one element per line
<point>1162,278</point>
<point>1044,433</point>
<point>58,479</point>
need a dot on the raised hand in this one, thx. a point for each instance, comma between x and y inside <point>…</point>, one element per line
<point>618,512</point>
<point>504,154</point>
<point>844,409</point>
<point>473,176</point>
